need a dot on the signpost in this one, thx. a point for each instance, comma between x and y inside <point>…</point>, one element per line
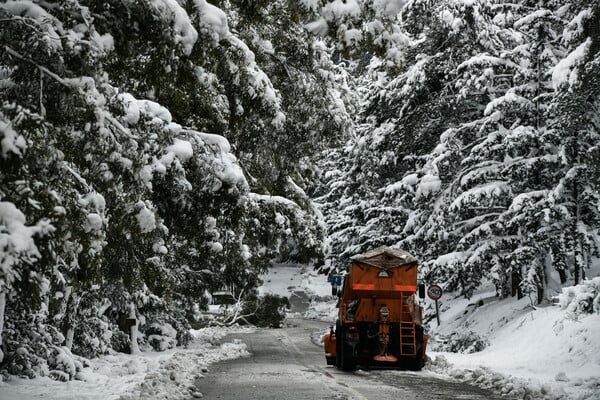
<point>435,293</point>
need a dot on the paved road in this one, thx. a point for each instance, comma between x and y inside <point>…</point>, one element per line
<point>286,365</point>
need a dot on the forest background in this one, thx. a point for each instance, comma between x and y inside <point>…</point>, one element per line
<point>155,151</point>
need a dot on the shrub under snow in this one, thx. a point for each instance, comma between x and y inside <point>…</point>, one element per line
<point>461,341</point>
<point>581,299</point>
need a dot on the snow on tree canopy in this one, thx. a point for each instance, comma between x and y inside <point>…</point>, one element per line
<point>185,34</point>
<point>428,185</point>
<point>182,149</point>
<point>145,218</point>
<point>93,222</point>
<point>10,141</point>
<point>16,241</point>
<point>575,28</point>
<point>226,166</point>
<point>156,112</point>
<point>28,9</point>
<point>508,100</point>
<point>339,9</point>
<point>213,19</point>
<point>388,8</point>
<point>482,195</point>
<point>566,72</point>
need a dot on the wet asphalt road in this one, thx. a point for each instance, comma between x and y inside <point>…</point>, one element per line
<point>286,365</point>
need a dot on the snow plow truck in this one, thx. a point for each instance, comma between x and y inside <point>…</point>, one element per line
<point>380,322</point>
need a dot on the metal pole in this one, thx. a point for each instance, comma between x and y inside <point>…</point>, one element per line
<point>437,312</point>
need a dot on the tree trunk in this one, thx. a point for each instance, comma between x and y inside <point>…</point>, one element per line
<point>576,243</point>
<point>516,285</point>
<point>134,331</point>
<point>68,323</point>
<point>2,307</point>
<point>562,274</point>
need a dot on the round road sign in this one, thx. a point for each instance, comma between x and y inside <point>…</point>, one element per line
<point>434,292</point>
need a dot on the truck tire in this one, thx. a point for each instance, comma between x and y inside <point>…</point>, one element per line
<point>338,345</point>
<point>418,362</point>
<point>347,361</point>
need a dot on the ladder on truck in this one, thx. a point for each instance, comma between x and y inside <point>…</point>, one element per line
<point>408,334</point>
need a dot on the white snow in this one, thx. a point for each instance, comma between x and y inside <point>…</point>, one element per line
<point>16,240</point>
<point>388,8</point>
<point>529,19</point>
<point>93,222</point>
<point>226,166</point>
<point>480,195</point>
<point>182,149</point>
<point>158,375</point>
<point>155,111</point>
<point>566,71</point>
<point>531,349</point>
<point>429,184</point>
<point>506,101</point>
<point>145,218</point>
<point>213,19</point>
<point>575,28</point>
<point>318,27</point>
<point>132,109</point>
<point>338,9</point>
<point>11,141</point>
<point>185,34</point>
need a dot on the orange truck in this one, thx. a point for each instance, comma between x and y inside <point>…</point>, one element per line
<point>380,320</point>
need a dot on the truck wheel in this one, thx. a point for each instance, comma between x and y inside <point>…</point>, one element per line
<point>347,362</point>
<point>418,362</point>
<point>338,344</point>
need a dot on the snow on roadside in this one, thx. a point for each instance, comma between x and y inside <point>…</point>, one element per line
<point>159,375</point>
<point>541,352</point>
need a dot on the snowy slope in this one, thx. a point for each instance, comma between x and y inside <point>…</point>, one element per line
<point>544,351</point>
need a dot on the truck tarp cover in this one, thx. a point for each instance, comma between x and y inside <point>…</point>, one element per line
<point>383,272</point>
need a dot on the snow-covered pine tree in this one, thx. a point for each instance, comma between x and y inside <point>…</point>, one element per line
<point>573,119</point>
<point>483,192</point>
<point>120,212</point>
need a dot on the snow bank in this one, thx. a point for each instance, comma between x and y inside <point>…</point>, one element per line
<point>164,375</point>
<point>550,352</point>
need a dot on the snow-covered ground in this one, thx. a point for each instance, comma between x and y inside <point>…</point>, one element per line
<point>158,375</point>
<point>544,351</point>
